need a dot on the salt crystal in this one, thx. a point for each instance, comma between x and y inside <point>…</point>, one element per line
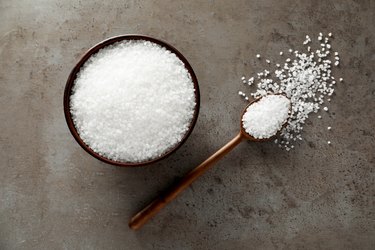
<point>265,117</point>
<point>281,53</point>
<point>132,101</point>
<point>325,108</point>
<point>329,128</point>
<point>258,56</point>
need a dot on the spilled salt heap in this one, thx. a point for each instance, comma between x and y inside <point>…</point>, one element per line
<point>306,78</point>
<point>264,118</point>
<point>132,101</point>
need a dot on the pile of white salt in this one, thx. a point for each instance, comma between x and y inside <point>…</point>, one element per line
<point>133,101</point>
<point>306,78</point>
<point>265,117</point>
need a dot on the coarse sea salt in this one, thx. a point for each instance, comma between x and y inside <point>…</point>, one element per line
<point>265,117</point>
<point>132,101</point>
<point>306,80</point>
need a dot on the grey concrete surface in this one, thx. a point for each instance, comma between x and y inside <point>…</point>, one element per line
<point>53,195</point>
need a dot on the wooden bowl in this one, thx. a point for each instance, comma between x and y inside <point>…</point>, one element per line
<point>95,49</point>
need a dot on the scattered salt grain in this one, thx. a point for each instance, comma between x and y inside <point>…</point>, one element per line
<point>281,53</point>
<point>258,56</point>
<point>308,39</point>
<point>268,61</point>
<point>328,142</point>
<point>250,81</point>
<point>329,128</point>
<point>325,108</point>
<point>341,79</point>
<point>265,117</point>
<point>132,101</point>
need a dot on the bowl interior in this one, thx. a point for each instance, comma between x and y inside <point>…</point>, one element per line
<point>95,49</point>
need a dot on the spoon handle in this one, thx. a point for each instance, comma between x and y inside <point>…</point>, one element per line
<point>155,206</point>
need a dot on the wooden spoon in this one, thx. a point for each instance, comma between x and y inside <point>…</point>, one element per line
<point>138,220</point>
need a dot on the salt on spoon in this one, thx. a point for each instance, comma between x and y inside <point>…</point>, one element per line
<point>270,112</point>
<point>266,116</point>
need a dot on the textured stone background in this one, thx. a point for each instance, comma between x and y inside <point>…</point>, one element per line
<point>53,195</point>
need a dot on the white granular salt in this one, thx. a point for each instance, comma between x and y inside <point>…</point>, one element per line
<point>306,80</point>
<point>133,101</point>
<point>265,117</point>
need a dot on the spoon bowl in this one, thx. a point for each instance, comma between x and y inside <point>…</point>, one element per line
<point>250,137</point>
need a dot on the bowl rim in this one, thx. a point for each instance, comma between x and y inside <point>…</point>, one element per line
<point>94,49</point>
